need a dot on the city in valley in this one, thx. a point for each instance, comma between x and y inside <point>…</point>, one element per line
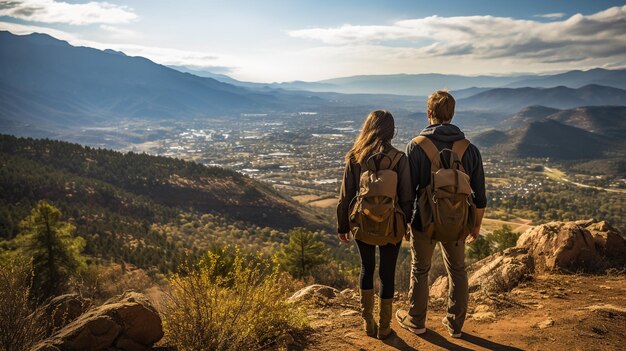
<point>301,154</point>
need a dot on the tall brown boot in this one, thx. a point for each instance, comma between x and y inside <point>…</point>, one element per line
<point>384,321</point>
<point>367,312</point>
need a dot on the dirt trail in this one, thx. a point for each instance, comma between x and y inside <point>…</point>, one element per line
<point>579,313</point>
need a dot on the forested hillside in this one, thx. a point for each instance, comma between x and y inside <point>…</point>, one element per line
<point>147,210</point>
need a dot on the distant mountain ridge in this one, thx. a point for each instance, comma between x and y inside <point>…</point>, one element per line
<point>561,97</point>
<point>424,84</point>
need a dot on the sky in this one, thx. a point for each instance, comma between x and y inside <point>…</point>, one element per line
<point>276,41</point>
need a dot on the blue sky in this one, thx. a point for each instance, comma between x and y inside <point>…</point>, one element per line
<point>312,40</point>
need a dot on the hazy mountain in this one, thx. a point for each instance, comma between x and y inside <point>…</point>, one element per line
<point>576,79</point>
<point>217,76</point>
<point>47,81</point>
<point>510,99</point>
<point>465,93</point>
<point>411,84</point>
<point>463,86</point>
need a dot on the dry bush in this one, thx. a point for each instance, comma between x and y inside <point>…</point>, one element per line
<point>21,324</point>
<point>333,274</point>
<point>101,282</point>
<point>228,303</point>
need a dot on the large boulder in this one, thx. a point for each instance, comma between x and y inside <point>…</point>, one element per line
<point>63,309</point>
<point>608,240</point>
<point>314,292</point>
<point>128,322</point>
<point>497,273</point>
<point>502,271</point>
<point>560,246</point>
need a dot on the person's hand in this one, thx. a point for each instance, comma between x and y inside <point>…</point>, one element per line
<point>343,237</point>
<point>473,235</point>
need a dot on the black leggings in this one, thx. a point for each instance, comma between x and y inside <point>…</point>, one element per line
<point>386,269</point>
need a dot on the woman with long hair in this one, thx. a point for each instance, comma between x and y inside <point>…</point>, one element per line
<point>370,167</point>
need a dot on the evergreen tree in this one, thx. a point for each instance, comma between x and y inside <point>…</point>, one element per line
<point>502,238</point>
<point>50,243</point>
<point>304,251</point>
<point>479,249</point>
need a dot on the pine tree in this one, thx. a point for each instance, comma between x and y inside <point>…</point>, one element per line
<point>478,249</point>
<point>50,243</point>
<point>502,238</point>
<point>304,251</point>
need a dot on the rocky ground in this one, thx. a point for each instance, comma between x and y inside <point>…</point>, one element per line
<point>562,287</point>
<point>549,312</point>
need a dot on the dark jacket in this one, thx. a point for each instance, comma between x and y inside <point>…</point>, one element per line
<point>350,186</point>
<point>443,135</point>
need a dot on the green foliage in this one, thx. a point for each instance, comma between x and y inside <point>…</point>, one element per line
<point>21,324</point>
<point>501,239</point>
<point>304,251</point>
<point>229,302</point>
<point>498,241</point>
<point>478,249</point>
<point>52,248</point>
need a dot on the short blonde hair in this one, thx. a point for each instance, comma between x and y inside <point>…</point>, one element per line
<point>441,106</point>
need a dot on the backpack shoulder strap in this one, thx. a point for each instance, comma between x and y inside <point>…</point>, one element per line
<point>458,148</point>
<point>395,156</point>
<point>430,150</point>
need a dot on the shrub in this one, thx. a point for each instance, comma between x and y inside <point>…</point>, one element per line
<point>20,322</point>
<point>228,303</point>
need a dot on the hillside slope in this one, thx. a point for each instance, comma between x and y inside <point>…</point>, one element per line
<point>136,206</point>
<point>549,138</point>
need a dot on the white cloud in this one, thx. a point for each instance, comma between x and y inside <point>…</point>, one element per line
<point>600,35</point>
<point>166,56</point>
<point>551,15</point>
<point>50,11</point>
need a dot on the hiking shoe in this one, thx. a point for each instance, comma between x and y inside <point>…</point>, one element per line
<point>405,322</point>
<point>450,329</point>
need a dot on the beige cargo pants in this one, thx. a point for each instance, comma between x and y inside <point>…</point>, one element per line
<point>454,260</point>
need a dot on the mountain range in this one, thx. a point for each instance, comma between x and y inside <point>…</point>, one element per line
<point>424,84</point>
<point>46,83</point>
<point>45,80</point>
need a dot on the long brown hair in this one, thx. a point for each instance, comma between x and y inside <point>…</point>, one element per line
<point>376,133</point>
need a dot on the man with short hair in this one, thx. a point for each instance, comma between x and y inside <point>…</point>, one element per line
<point>442,134</point>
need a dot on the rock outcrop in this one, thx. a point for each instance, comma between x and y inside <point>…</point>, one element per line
<point>608,240</point>
<point>127,322</point>
<point>63,309</point>
<point>560,245</point>
<point>586,245</point>
<point>314,292</point>
<point>497,273</point>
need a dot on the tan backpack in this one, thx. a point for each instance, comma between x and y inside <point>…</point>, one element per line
<point>446,207</point>
<point>376,217</point>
